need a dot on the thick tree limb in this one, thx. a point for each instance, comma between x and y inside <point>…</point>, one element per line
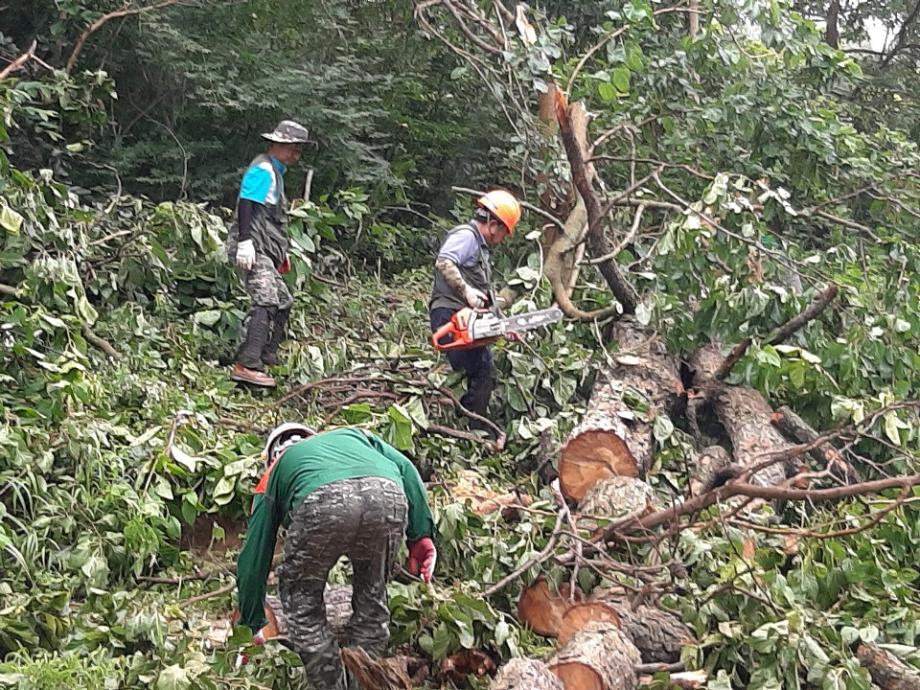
<point>902,35</point>
<point>104,19</point>
<point>797,429</point>
<point>19,62</point>
<point>793,325</point>
<point>622,290</point>
<point>887,671</point>
<point>99,342</point>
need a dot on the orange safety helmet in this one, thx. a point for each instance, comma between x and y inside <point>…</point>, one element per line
<point>503,206</point>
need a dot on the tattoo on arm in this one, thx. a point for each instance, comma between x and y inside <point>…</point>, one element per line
<point>451,274</point>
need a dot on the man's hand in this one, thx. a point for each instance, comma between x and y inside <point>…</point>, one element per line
<point>422,557</point>
<point>245,255</point>
<point>514,337</point>
<point>285,266</point>
<point>477,299</point>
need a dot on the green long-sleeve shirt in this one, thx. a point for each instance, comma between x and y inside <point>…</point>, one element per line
<point>303,468</point>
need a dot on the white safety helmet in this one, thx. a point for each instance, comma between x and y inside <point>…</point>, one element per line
<point>283,436</point>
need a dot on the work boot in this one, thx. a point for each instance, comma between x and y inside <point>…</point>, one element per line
<point>279,325</point>
<point>249,356</point>
<point>250,376</point>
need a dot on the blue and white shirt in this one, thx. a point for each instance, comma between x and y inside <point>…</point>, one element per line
<point>259,183</point>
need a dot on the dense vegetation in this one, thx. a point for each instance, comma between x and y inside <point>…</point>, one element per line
<point>768,157</point>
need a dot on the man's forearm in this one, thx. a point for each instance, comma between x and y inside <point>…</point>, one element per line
<point>245,212</point>
<point>451,274</point>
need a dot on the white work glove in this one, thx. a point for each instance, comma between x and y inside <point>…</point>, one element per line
<point>477,299</point>
<point>245,255</point>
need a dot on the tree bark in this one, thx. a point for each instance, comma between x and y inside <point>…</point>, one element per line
<point>542,608</point>
<point>616,497</point>
<point>832,32</point>
<point>797,429</point>
<point>598,657</point>
<point>525,674</point>
<point>745,415</point>
<point>658,635</point>
<point>887,671</point>
<point>615,436</point>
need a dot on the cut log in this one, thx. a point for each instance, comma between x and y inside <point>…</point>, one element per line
<point>710,461</point>
<point>542,608</point>
<point>598,657</point>
<point>376,674</point>
<point>616,497</point>
<point>745,416</point>
<point>658,635</point>
<point>887,671</point>
<point>615,436</point>
<point>580,615</point>
<point>525,674</point>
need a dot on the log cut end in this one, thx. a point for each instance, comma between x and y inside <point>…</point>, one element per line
<point>591,455</point>
<point>525,674</point>
<point>542,608</point>
<point>580,615</point>
<point>598,657</point>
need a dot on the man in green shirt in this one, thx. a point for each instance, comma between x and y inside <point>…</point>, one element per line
<point>342,492</point>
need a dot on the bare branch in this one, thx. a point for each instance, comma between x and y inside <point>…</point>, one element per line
<point>19,62</point>
<point>104,19</point>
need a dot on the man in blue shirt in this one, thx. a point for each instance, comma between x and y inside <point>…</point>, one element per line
<point>258,244</point>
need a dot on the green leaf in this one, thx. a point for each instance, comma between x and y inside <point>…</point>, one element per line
<point>173,678</point>
<point>10,219</point>
<point>620,79</point>
<point>607,92</point>
<point>891,424</point>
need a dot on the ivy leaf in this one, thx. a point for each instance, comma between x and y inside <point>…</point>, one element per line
<point>620,79</point>
<point>173,678</point>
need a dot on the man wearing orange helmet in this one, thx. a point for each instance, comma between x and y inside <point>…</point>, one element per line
<point>463,278</point>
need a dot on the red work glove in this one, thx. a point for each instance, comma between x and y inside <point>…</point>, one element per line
<point>285,266</point>
<point>513,337</point>
<point>257,640</point>
<point>422,557</point>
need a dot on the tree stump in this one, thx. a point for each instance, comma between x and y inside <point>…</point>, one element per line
<point>616,497</point>
<point>658,635</point>
<point>598,657</point>
<point>615,435</point>
<point>542,608</point>
<point>525,674</point>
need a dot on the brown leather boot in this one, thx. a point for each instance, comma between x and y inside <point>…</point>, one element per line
<point>251,376</point>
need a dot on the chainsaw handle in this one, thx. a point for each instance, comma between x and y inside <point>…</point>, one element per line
<point>460,337</point>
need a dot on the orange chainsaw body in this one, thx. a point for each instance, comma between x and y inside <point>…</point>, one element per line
<point>457,334</point>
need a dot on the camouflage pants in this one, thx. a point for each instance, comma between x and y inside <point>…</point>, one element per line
<point>265,286</point>
<point>364,519</point>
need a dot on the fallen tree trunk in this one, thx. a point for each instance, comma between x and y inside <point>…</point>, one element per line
<point>745,415</point>
<point>525,674</point>
<point>797,429</point>
<point>598,657</point>
<point>887,671</point>
<point>542,608</point>
<point>615,497</point>
<point>615,436</point>
<point>658,635</point>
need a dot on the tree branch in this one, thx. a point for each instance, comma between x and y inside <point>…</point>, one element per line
<point>104,19</point>
<point>19,62</point>
<point>902,35</point>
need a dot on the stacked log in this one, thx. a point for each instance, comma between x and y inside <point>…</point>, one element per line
<point>615,436</point>
<point>542,607</point>
<point>887,671</point>
<point>598,657</point>
<point>525,674</point>
<point>616,497</point>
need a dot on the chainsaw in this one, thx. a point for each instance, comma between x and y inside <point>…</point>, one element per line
<point>478,327</point>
